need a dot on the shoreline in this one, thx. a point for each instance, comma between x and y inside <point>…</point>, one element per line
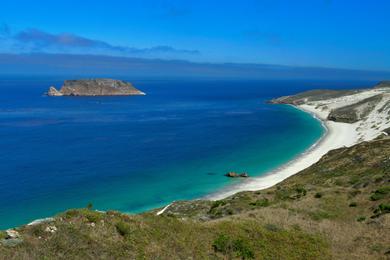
<point>336,135</point>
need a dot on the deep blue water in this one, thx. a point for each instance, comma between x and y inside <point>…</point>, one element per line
<point>136,153</point>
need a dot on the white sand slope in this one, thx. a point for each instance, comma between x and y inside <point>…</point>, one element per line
<point>337,135</point>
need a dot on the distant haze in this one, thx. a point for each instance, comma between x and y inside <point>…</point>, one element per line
<point>95,65</point>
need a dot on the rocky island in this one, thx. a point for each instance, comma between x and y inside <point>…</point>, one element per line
<point>95,87</point>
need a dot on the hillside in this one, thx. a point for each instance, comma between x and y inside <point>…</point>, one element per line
<point>338,208</point>
<point>366,111</point>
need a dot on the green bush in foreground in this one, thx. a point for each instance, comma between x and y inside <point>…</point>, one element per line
<point>123,228</point>
<point>227,246</point>
<point>380,193</point>
<point>381,209</point>
<point>353,204</point>
<point>217,203</point>
<point>361,218</point>
<point>93,216</point>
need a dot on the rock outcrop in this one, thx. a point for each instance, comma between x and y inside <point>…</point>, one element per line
<point>366,110</point>
<point>355,112</point>
<point>95,87</point>
<point>383,84</point>
<point>54,92</point>
<point>312,95</point>
<point>235,175</point>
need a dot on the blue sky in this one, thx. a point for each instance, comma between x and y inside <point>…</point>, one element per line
<point>320,33</point>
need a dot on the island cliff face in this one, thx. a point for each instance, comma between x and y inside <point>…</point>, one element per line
<point>347,106</point>
<point>95,87</point>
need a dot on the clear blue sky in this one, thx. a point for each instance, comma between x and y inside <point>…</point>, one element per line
<point>352,34</point>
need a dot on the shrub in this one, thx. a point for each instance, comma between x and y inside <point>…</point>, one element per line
<point>214,208</point>
<point>225,245</point>
<point>89,206</point>
<point>354,193</point>
<point>354,180</point>
<point>260,203</point>
<point>296,227</point>
<point>92,216</point>
<point>282,194</point>
<point>353,204</point>
<point>217,203</point>
<point>301,190</point>
<point>271,227</point>
<point>123,228</point>
<point>361,218</point>
<point>113,213</point>
<point>222,244</point>
<point>71,213</point>
<point>375,197</point>
<point>380,193</point>
<point>318,195</point>
<point>319,215</point>
<point>243,249</point>
<point>381,209</point>
<point>376,247</point>
<point>37,230</point>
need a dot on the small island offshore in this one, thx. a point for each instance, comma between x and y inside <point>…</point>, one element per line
<point>333,202</point>
<point>95,87</point>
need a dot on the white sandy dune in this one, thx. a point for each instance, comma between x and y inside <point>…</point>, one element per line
<point>337,135</point>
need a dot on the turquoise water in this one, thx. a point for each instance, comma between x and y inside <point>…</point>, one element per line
<point>136,153</point>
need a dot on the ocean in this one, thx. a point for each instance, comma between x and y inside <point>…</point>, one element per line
<point>136,153</point>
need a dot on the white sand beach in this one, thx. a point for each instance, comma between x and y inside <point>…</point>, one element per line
<point>337,135</point>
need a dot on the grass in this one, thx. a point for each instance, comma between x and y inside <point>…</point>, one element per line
<point>261,203</point>
<point>3,235</point>
<point>149,236</point>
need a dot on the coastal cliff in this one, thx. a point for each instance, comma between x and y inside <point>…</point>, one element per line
<point>367,111</point>
<point>95,87</point>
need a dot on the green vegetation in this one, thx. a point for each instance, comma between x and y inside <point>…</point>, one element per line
<point>217,203</point>
<point>2,235</point>
<point>148,236</point>
<point>381,210</point>
<point>353,204</point>
<point>123,228</point>
<point>380,193</point>
<point>90,206</point>
<point>92,216</point>
<point>261,203</point>
<point>230,247</point>
<point>320,214</point>
<point>361,218</point>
